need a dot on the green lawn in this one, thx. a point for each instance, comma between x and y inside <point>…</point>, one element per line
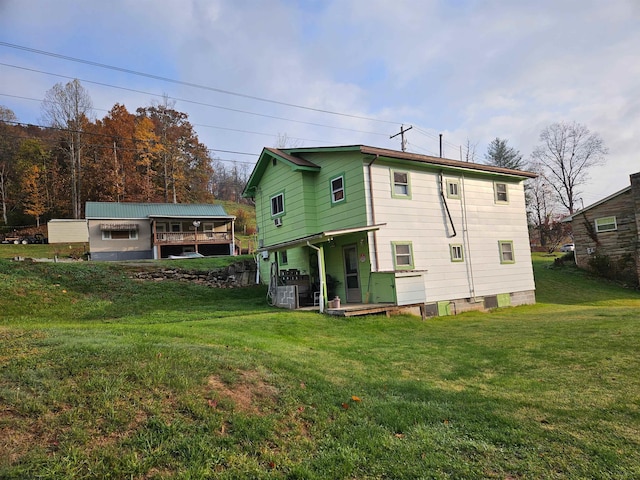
<point>102,376</point>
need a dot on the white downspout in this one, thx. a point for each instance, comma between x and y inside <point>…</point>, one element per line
<point>466,241</point>
<point>321,274</point>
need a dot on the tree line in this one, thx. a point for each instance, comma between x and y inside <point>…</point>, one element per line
<point>154,155</point>
<point>562,160</point>
<point>150,155</point>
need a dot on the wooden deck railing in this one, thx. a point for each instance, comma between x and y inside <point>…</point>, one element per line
<point>190,237</point>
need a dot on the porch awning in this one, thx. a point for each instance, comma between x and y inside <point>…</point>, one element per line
<point>118,226</point>
<point>319,237</point>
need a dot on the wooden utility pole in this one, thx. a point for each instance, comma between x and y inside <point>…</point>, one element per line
<point>403,142</point>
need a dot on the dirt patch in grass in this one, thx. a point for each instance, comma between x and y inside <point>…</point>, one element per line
<point>249,394</point>
<point>14,444</point>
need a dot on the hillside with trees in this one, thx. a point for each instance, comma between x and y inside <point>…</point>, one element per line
<point>150,155</point>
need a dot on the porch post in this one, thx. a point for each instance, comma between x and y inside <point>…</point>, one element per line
<point>233,237</point>
<point>321,274</point>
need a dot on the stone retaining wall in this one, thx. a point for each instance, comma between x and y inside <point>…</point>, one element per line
<point>241,274</point>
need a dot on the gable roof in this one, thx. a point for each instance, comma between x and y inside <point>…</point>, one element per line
<point>593,205</point>
<point>108,210</point>
<point>293,157</point>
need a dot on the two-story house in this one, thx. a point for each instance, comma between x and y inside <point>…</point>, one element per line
<point>383,227</point>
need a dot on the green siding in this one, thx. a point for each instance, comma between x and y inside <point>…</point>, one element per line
<point>383,287</point>
<point>351,212</point>
<point>307,198</point>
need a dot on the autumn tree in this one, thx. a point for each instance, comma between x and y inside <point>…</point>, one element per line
<point>499,154</point>
<point>185,164</point>
<point>119,128</point>
<point>566,154</point>
<point>147,149</point>
<point>69,108</point>
<point>31,165</point>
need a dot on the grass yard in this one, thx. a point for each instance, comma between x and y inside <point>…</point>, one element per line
<point>103,376</point>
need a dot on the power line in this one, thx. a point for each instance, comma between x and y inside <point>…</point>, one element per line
<point>420,130</point>
<point>188,84</point>
<point>194,124</point>
<point>194,102</point>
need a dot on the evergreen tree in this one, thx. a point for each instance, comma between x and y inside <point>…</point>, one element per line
<point>499,154</point>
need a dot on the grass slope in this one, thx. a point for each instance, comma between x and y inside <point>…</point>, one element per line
<point>102,376</point>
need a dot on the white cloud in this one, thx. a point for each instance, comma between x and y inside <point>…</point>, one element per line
<point>471,70</point>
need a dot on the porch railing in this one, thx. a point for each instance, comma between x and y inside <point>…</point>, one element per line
<point>190,237</point>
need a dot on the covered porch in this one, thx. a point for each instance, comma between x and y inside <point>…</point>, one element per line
<point>207,236</point>
<point>314,271</point>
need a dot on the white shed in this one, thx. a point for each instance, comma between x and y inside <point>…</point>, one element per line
<point>67,231</point>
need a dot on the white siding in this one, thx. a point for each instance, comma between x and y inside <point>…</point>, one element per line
<point>479,225</point>
<point>67,231</point>
<point>410,288</point>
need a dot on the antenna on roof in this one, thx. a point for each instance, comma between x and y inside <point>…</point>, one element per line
<point>403,142</point>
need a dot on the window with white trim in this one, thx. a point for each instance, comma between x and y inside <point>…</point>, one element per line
<point>501,192</point>
<point>119,234</point>
<point>606,224</point>
<point>456,252</point>
<point>337,189</point>
<point>506,251</point>
<point>277,205</point>
<point>403,255</point>
<point>453,189</point>
<point>401,184</point>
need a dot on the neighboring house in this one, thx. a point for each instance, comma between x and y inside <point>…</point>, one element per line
<point>63,230</point>
<point>133,231</point>
<point>382,227</point>
<point>606,237</point>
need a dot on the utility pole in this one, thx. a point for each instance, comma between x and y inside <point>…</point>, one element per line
<point>403,142</point>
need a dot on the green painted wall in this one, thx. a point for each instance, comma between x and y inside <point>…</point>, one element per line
<point>352,211</point>
<point>307,198</point>
<point>383,287</point>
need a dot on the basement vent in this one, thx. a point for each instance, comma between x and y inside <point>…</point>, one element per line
<point>491,302</point>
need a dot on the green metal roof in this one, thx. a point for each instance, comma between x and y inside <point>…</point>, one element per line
<point>106,210</point>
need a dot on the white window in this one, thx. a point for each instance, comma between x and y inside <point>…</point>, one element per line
<point>337,189</point>
<point>453,189</point>
<point>606,224</point>
<point>506,251</point>
<point>501,192</point>
<point>403,255</point>
<point>277,205</point>
<point>456,252</point>
<point>401,185</point>
<point>119,234</point>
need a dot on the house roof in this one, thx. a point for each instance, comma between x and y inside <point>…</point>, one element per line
<point>320,237</point>
<point>600,202</point>
<point>113,210</point>
<point>295,159</point>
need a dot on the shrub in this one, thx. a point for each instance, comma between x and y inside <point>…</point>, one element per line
<point>622,269</point>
